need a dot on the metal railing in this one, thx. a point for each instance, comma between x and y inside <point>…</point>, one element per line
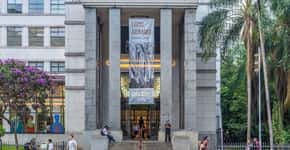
<point>243,146</point>
<point>8,145</point>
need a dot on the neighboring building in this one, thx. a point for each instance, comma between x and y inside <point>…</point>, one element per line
<point>97,62</point>
<point>33,31</point>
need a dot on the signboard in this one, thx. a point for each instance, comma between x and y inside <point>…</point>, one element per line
<point>141,59</point>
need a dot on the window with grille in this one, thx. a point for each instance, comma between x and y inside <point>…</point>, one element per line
<point>14,6</point>
<point>57,6</point>
<point>36,64</point>
<point>57,37</point>
<point>57,67</point>
<point>36,36</point>
<point>36,6</point>
<point>14,36</point>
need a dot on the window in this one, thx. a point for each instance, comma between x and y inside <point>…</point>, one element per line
<point>14,37</point>
<point>36,6</point>
<point>57,67</point>
<point>38,65</point>
<point>48,120</point>
<point>57,36</point>
<point>57,6</point>
<point>14,6</point>
<point>36,36</point>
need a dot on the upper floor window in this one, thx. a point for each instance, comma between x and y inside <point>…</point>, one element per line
<point>57,6</point>
<point>57,36</point>
<point>57,67</point>
<point>14,37</point>
<point>14,6</point>
<point>36,6</point>
<point>36,64</point>
<point>35,36</point>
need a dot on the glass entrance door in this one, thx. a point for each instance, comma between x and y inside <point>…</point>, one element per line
<point>131,116</point>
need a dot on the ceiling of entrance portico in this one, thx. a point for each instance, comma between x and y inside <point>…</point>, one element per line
<point>142,3</point>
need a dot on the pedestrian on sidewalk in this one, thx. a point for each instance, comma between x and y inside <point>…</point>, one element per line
<point>167,131</point>
<point>72,143</point>
<point>50,145</point>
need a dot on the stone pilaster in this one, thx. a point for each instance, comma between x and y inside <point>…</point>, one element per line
<point>166,66</point>
<point>75,66</point>
<point>190,70</point>
<point>91,64</point>
<point>46,37</point>
<point>3,36</point>
<point>25,37</point>
<point>114,94</point>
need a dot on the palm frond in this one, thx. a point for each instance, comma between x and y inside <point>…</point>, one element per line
<point>232,34</point>
<point>211,30</point>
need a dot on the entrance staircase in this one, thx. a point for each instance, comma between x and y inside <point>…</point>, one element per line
<point>146,145</point>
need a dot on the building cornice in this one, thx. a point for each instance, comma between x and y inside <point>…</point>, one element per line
<point>74,22</point>
<point>69,70</point>
<point>74,54</point>
<point>75,88</point>
<point>143,4</point>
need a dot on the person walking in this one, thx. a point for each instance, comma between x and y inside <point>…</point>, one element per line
<point>106,132</point>
<point>72,143</point>
<point>167,131</point>
<point>50,145</point>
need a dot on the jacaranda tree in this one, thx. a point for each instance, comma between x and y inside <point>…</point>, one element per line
<point>21,87</point>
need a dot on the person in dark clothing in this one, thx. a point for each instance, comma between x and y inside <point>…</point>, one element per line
<point>141,126</point>
<point>167,131</point>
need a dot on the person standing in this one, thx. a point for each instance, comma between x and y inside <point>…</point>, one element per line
<point>72,143</point>
<point>167,131</point>
<point>50,145</point>
<point>256,144</point>
<point>141,126</point>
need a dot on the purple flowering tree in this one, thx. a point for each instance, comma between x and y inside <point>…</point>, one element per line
<point>20,87</point>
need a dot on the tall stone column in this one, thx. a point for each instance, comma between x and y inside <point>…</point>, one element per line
<point>91,65</point>
<point>190,48</point>
<point>75,67</point>
<point>166,66</point>
<point>114,93</point>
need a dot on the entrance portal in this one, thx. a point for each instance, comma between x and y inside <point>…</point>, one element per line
<point>132,116</point>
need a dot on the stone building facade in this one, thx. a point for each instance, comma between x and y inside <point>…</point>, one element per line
<point>95,62</point>
<point>96,65</point>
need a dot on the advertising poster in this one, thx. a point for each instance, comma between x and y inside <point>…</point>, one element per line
<point>141,59</point>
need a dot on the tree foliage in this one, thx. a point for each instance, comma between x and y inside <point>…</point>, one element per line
<point>21,86</point>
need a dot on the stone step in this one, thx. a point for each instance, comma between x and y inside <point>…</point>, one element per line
<point>133,145</point>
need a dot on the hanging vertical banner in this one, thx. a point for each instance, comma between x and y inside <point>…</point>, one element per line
<point>141,59</point>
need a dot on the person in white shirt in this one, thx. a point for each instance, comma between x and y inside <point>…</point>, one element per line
<point>105,132</point>
<point>50,145</point>
<point>72,143</point>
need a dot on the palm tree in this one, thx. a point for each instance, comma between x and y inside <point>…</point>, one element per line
<point>214,31</point>
<point>261,37</point>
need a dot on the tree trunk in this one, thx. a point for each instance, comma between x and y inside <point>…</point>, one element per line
<point>268,103</point>
<point>249,89</point>
<point>16,138</point>
<point>15,133</point>
<point>287,100</point>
